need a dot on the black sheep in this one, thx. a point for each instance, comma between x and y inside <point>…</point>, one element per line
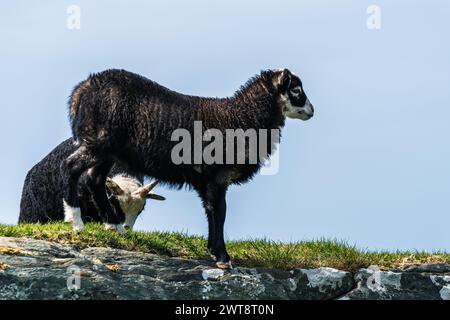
<point>43,191</point>
<point>120,115</point>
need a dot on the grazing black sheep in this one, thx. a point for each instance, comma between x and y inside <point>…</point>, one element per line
<point>43,191</point>
<point>118,115</point>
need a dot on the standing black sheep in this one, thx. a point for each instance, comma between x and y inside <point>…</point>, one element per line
<point>43,190</point>
<point>116,114</point>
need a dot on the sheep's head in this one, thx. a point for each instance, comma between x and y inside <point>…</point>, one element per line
<point>129,193</point>
<point>292,98</point>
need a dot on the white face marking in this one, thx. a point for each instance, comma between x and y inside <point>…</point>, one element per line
<point>73,216</point>
<point>293,112</point>
<point>309,110</point>
<point>126,183</point>
<point>131,204</point>
<point>297,91</point>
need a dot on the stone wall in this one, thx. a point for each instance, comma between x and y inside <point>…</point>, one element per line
<point>36,269</point>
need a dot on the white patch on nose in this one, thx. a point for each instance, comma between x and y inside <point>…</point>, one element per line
<point>308,108</point>
<point>131,205</point>
<point>73,216</point>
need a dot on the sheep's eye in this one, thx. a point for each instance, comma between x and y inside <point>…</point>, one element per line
<point>296,91</point>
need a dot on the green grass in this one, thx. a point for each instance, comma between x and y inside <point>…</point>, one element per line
<point>250,253</point>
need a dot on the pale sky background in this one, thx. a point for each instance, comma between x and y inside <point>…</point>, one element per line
<point>372,167</point>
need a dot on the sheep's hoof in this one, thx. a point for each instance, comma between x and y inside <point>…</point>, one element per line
<point>115,227</point>
<point>224,265</point>
<point>78,228</point>
<point>77,225</point>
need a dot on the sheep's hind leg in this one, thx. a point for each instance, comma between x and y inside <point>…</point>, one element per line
<point>210,231</point>
<point>201,190</point>
<point>73,167</point>
<point>112,216</point>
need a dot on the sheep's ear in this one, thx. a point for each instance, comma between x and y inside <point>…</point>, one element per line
<point>114,187</point>
<point>283,80</point>
<point>155,196</point>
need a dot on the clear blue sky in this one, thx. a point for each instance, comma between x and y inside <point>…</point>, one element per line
<point>372,167</point>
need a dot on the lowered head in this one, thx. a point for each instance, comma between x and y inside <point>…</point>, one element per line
<point>131,196</point>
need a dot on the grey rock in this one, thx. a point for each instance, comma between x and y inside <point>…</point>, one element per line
<point>46,270</point>
<point>323,283</point>
<point>374,284</point>
<point>430,268</point>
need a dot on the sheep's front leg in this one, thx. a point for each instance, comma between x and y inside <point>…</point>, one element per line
<point>215,206</point>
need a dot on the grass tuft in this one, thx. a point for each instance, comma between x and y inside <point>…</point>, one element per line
<point>262,253</point>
